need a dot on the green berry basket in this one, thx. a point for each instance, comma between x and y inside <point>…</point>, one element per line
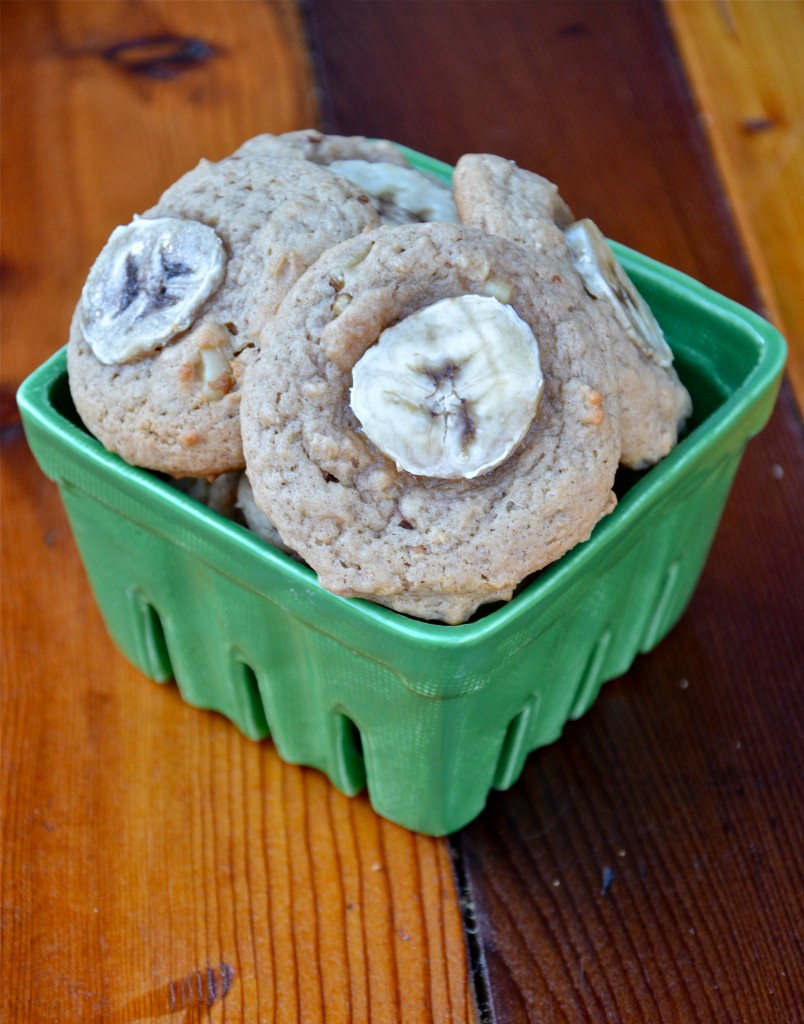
<point>428,717</point>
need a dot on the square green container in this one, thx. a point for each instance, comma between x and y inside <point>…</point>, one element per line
<point>429,717</point>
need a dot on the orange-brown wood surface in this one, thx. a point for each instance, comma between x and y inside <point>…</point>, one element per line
<point>744,64</point>
<point>155,862</point>
<point>156,865</point>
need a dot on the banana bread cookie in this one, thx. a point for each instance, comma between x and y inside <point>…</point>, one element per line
<point>494,194</point>
<point>432,417</point>
<point>400,193</point>
<point>313,145</point>
<point>173,307</point>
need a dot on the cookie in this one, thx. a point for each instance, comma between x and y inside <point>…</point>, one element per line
<point>654,404</point>
<point>220,495</point>
<point>255,519</point>
<point>494,194</point>
<point>173,308</point>
<point>230,496</point>
<point>399,193</point>
<point>311,144</point>
<point>433,546</point>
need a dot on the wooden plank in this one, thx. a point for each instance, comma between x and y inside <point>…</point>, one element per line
<point>499,76</point>
<point>744,64</point>
<point>646,868</point>
<point>155,863</point>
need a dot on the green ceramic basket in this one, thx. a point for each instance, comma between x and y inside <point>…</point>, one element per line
<point>429,717</point>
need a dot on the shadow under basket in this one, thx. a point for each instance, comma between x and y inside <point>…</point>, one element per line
<point>429,717</point>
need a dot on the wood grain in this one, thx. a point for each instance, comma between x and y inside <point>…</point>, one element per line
<point>103,108</point>
<point>156,865</point>
<point>744,65</point>
<point>587,94</point>
<point>647,867</point>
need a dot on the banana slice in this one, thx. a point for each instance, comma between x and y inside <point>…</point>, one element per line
<point>452,389</point>
<point>604,278</point>
<point>147,284</point>
<point>401,195</point>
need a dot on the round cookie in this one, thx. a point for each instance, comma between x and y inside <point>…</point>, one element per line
<point>400,193</point>
<point>175,407</point>
<point>426,546</point>
<point>311,144</point>
<point>494,194</point>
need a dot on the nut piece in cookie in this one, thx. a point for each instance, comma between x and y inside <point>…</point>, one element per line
<point>174,305</point>
<point>439,543</point>
<point>506,200</point>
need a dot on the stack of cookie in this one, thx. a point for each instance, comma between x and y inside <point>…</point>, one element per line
<point>429,390</point>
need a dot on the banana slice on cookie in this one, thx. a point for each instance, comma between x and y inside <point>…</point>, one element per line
<point>605,279</point>
<point>450,390</point>
<point>401,195</point>
<point>147,284</point>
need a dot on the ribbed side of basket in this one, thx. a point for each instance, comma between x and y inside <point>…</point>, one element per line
<point>429,763</point>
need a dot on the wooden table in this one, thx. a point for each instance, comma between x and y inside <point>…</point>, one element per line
<point>156,865</point>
